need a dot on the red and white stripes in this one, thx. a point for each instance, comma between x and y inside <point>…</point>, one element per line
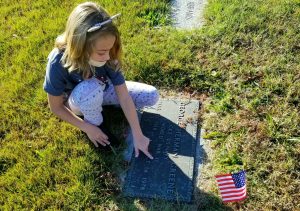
<point>229,190</point>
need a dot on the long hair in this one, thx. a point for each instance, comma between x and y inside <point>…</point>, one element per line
<point>77,44</point>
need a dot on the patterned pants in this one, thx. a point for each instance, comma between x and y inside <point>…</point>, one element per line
<point>88,97</point>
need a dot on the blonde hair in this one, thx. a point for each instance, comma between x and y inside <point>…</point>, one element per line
<point>77,43</point>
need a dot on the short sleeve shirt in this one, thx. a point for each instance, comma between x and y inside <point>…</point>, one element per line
<point>59,81</point>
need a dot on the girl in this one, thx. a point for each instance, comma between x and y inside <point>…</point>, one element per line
<point>83,73</point>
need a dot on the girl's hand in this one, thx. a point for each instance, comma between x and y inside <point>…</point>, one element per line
<point>96,135</point>
<point>141,142</point>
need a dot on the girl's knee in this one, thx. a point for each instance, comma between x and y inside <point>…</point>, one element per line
<point>148,96</point>
<point>93,118</point>
<point>89,90</point>
<point>86,99</point>
<point>153,95</point>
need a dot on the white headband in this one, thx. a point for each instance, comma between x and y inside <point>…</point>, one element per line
<point>99,25</point>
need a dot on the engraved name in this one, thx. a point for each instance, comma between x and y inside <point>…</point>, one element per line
<point>143,183</point>
<point>176,143</point>
<point>181,113</point>
<point>159,106</point>
<point>190,10</point>
<point>171,179</point>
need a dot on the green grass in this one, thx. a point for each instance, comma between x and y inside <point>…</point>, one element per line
<point>246,59</point>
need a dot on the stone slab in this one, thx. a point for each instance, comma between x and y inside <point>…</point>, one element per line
<point>172,127</point>
<point>188,14</point>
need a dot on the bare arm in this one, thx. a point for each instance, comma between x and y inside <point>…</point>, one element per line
<point>59,109</point>
<point>140,141</point>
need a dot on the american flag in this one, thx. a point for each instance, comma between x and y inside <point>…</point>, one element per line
<point>232,186</point>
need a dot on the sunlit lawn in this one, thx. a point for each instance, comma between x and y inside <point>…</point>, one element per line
<point>245,60</point>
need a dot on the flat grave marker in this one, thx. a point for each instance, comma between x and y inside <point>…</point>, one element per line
<point>172,127</point>
<point>188,14</point>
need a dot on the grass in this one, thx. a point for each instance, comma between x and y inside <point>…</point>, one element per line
<point>245,59</point>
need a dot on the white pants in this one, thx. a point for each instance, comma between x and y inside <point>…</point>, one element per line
<point>88,97</point>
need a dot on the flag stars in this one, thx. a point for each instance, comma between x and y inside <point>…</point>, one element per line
<point>239,179</point>
<point>232,186</point>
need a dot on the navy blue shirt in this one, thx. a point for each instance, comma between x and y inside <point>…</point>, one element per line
<point>59,81</point>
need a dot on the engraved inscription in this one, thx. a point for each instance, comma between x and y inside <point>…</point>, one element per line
<point>166,148</point>
<point>155,126</point>
<point>190,10</point>
<point>177,139</point>
<point>171,180</point>
<point>159,106</point>
<point>181,115</point>
<point>169,175</point>
<point>143,183</point>
<point>188,14</point>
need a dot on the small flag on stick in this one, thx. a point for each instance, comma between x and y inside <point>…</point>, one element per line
<point>232,186</point>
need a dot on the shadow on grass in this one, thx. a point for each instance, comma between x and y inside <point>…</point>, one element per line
<point>204,201</point>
